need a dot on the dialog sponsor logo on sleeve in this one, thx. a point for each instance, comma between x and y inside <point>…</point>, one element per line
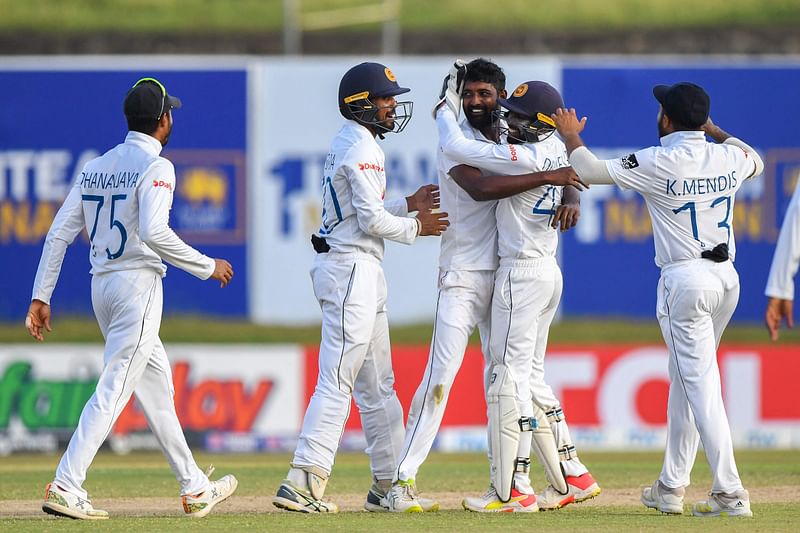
<point>370,166</point>
<point>161,183</point>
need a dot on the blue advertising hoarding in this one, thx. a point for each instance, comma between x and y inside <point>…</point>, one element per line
<point>608,263</point>
<point>53,121</point>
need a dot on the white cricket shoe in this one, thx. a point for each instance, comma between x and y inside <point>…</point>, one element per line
<point>720,504</point>
<point>579,489</point>
<point>489,502</point>
<point>377,502</point>
<point>401,499</point>
<point>59,502</point>
<point>292,498</point>
<point>664,499</point>
<point>199,505</point>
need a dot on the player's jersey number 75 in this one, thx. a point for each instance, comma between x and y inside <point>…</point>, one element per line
<point>100,200</point>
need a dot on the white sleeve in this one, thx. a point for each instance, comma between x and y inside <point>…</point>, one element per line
<point>590,169</point>
<point>780,283</point>
<point>504,159</point>
<point>67,223</point>
<point>397,207</point>
<point>154,206</point>
<point>749,153</point>
<point>372,216</point>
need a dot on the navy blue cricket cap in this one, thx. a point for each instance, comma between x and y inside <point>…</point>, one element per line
<point>534,99</point>
<point>368,80</point>
<point>148,98</point>
<point>685,103</point>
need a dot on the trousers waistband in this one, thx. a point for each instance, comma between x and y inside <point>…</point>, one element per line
<point>538,262</point>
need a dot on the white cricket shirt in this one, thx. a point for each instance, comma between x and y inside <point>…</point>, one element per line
<point>689,186</point>
<point>354,216</point>
<point>780,283</point>
<point>470,242</point>
<point>123,199</point>
<point>523,220</point>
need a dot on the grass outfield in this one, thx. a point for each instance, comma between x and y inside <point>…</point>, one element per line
<point>195,329</point>
<point>140,492</point>
<point>448,15</point>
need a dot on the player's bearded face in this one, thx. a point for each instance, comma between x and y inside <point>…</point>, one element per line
<point>479,100</point>
<point>386,113</point>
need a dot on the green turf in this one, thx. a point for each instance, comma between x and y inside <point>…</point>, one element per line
<point>147,474</point>
<point>452,15</point>
<point>195,329</point>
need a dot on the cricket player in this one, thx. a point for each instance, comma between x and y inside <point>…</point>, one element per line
<point>354,354</point>
<point>123,199</point>
<point>523,411</point>
<point>689,186</point>
<point>467,260</point>
<point>780,284</point>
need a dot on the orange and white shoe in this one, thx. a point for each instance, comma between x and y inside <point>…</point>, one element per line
<point>59,502</point>
<point>580,488</point>
<point>490,503</point>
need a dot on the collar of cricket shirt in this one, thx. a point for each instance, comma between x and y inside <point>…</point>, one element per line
<point>677,137</point>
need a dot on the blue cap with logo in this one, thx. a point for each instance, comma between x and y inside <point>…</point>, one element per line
<point>368,80</point>
<point>534,99</point>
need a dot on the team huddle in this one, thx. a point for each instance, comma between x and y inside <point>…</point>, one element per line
<point>507,185</point>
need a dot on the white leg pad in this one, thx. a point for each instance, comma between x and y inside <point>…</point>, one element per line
<point>310,478</point>
<point>544,445</point>
<point>504,429</point>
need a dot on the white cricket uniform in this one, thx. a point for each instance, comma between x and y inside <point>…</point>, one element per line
<point>354,355</point>
<point>467,261</point>
<point>123,199</point>
<point>689,186</point>
<point>780,283</point>
<point>528,282</point>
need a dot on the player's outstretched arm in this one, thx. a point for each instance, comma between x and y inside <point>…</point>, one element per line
<point>495,187</point>
<point>590,169</point>
<point>38,319</point>
<point>223,272</point>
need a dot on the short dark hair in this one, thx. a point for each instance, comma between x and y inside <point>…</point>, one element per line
<point>481,69</point>
<point>146,125</point>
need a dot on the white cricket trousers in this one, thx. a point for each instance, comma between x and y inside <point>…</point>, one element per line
<point>696,299</point>
<point>526,297</point>
<point>355,361</point>
<point>464,303</point>
<point>128,307</point>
